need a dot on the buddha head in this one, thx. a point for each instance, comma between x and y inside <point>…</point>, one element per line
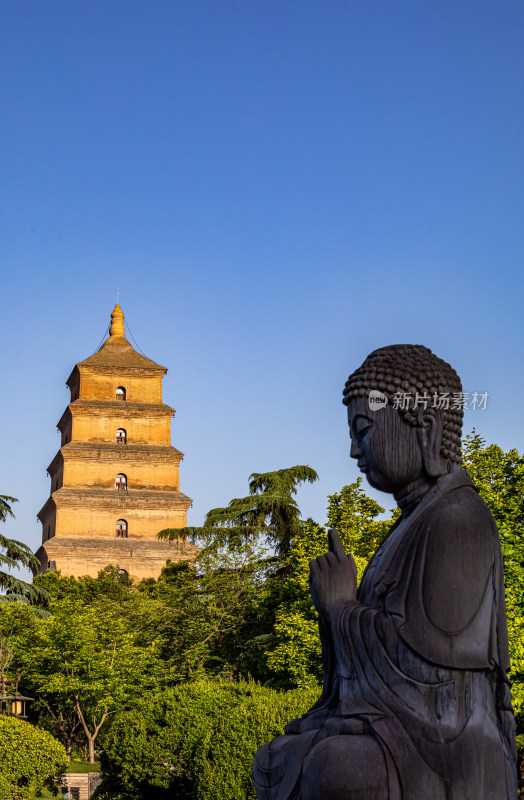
<point>405,417</point>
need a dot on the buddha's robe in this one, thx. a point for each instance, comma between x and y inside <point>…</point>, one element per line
<point>418,662</point>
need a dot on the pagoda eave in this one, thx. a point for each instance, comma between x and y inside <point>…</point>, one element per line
<point>124,409</point>
<point>109,498</point>
<point>126,453</point>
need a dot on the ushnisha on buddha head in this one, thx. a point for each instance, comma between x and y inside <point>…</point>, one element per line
<point>414,435</point>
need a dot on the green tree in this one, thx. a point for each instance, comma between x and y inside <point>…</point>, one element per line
<point>15,555</point>
<point>237,580</point>
<point>85,659</point>
<point>354,515</point>
<point>294,653</point>
<point>56,710</point>
<point>499,478</point>
<point>111,583</point>
<point>200,615</point>
<point>270,510</point>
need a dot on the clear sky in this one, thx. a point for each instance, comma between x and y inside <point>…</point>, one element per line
<point>277,188</point>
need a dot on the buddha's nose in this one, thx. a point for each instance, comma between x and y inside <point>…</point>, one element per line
<point>355,451</point>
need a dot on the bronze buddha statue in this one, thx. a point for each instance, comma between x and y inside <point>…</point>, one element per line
<point>416,703</point>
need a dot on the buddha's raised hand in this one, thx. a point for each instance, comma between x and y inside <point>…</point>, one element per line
<point>332,576</point>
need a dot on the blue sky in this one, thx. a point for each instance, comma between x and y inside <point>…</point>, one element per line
<point>277,189</point>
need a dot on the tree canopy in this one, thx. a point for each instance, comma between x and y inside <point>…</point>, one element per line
<point>269,510</point>
<point>15,555</point>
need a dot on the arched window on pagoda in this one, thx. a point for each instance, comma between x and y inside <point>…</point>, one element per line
<point>121,482</point>
<point>121,393</point>
<point>121,529</point>
<point>121,436</point>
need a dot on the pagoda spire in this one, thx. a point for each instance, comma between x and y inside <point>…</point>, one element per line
<point>117,322</point>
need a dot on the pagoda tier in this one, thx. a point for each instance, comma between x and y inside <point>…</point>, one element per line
<point>138,557</point>
<point>115,479</point>
<point>88,464</point>
<point>97,421</point>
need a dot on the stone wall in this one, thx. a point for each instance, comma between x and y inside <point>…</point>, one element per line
<point>82,784</point>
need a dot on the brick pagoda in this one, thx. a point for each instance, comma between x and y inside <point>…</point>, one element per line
<point>114,481</point>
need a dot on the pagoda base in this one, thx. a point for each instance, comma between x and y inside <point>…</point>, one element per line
<point>140,558</point>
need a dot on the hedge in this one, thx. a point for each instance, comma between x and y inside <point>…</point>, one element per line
<point>29,758</point>
<point>196,741</point>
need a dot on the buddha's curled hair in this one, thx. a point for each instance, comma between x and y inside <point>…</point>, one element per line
<point>411,369</point>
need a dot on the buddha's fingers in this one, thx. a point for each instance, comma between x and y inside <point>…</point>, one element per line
<point>335,544</point>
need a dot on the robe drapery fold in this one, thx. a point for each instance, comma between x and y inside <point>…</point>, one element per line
<point>418,661</point>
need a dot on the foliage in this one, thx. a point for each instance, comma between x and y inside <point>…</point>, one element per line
<point>29,758</point>
<point>498,476</point>
<point>16,554</point>
<point>195,741</point>
<point>200,620</point>
<point>17,625</point>
<point>111,583</point>
<point>5,789</point>
<point>354,515</point>
<point>237,584</point>
<point>84,661</point>
<point>270,510</point>
<point>295,653</point>
<point>183,626</point>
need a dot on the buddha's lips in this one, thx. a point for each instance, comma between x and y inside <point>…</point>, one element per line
<point>363,467</point>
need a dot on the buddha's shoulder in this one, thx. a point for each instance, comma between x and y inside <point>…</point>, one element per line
<point>460,542</point>
<point>459,510</point>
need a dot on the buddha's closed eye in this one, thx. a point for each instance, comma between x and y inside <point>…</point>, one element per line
<point>361,426</point>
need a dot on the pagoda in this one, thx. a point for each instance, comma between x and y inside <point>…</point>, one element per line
<point>115,479</point>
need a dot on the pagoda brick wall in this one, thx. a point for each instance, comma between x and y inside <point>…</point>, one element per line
<point>144,523</point>
<point>101,426</point>
<point>139,388</point>
<point>101,473</point>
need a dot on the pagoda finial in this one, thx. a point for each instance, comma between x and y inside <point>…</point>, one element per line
<point>117,322</point>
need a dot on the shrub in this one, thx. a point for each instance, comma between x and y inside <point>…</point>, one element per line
<point>29,758</point>
<point>196,741</point>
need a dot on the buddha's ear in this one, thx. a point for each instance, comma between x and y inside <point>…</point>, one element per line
<point>429,433</point>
